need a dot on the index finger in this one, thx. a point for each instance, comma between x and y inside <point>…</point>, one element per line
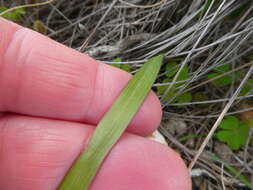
<point>41,77</point>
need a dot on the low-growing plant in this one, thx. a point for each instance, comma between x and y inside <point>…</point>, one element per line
<point>223,81</point>
<point>248,88</point>
<point>171,70</point>
<point>233,132</point>
<point>228,79</point>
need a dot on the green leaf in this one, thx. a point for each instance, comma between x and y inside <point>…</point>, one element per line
<point>226,136</point>
<point>13,15</point>
<point>206,7</point>
<point>111,127</point>
<point>171,69</point>
<point>248,88</point>
<point>223,81</point>
<point>230,122</point>
<point>222,69</point>
<point>233,132</point>
<point>124,67</point>
<point>161,89</point>
<point>170,95</point>
<point>184,75</point>
<point>184,98</point>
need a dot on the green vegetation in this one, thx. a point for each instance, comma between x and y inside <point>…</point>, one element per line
<point>233,171</point>
<point>14,15</point>
<point>124,67</point>
<point>171,69</point>
<point>233,132</point>
<point>147,33</point>
<point>205,8</point>
<point>228,79</point>
<point>248,88</point>
<point>237,13</point>
<point>223,81</point>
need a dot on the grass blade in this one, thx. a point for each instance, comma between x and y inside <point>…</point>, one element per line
<point>233,171</point>
<point>111,127</point>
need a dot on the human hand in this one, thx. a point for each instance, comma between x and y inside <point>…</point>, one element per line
<point>51,98</point>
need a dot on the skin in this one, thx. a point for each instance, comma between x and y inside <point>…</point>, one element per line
<point>51,99</point>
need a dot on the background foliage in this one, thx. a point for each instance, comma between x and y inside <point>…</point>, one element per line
<point>211,44</point>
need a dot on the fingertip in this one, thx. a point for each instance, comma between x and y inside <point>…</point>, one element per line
<point>6,34</point>
<point>149,115</point>
<point>138,163</point>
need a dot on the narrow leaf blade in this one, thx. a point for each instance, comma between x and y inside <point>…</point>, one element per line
<point>111,127</point>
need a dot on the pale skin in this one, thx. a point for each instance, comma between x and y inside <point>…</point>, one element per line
<point>51,99</point>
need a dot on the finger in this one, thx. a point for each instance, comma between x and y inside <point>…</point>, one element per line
<point>41,77</point>
<point>36,154</point>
